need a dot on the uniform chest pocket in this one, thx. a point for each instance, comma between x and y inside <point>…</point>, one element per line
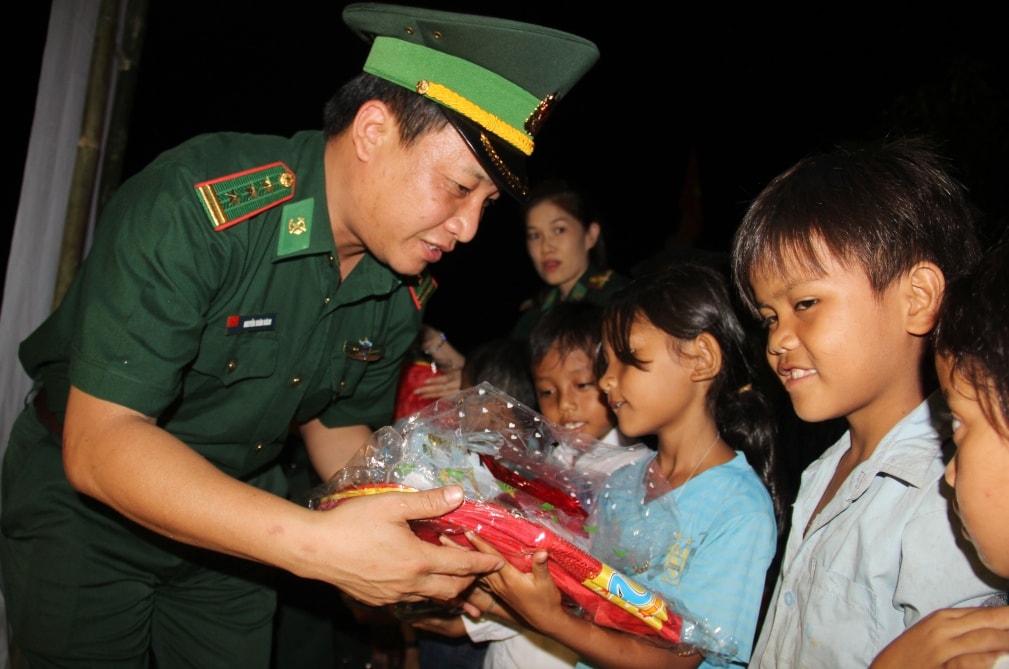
<point>347,374</point>
<point>239,357</point>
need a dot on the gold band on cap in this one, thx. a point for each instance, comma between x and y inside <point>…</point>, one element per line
<point>449,98</point>
<point>488,99</point>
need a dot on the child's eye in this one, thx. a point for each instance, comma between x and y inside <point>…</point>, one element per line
<point>766,322</point>
<point>802,305</point>
<point>587,385</point>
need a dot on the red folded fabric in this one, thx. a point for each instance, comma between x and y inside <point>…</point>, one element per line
<point>608,597</point>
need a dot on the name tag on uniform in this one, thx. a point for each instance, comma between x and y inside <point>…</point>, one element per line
<point>363,349</point>
<point>257,323</point>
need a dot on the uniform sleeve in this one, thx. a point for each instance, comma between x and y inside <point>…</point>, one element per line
<point>148,279</point>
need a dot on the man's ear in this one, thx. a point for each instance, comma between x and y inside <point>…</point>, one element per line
<point>925,284</point>
<point>707,356</point>
<point>373,124</point>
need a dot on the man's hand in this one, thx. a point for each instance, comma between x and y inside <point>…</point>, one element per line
<point>368,550</point>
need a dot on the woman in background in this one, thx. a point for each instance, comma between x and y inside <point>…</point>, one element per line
<point>564,237</point>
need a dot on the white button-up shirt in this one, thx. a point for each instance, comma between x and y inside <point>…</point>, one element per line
<point>885,551</point>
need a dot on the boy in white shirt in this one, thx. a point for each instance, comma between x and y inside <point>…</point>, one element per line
<point>845,257</point>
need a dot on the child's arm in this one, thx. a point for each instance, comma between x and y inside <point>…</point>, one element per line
<point>449,626</point>
<point>973,637</point>
<point>535,599</point>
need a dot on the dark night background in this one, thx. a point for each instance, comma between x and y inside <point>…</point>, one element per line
<point>749,94</point>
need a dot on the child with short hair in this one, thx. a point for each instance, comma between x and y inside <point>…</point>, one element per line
<point>675,365</point>
<point>845,257</point>
<point>443,642</point>
<point>560,357</point>
<point>504,363</point>
<point>972,359</point>
<point>563,347</point>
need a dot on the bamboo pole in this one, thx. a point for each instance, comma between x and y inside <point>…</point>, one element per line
<point>131,43</point>
<point>88,148</point>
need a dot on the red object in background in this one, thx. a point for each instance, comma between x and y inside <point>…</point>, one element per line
<point>413,375</point>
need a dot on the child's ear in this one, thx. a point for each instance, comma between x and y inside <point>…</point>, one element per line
<point>707,358</point>
<point>925,284</point>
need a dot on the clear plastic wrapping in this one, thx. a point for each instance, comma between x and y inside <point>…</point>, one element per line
<point>529,486</point>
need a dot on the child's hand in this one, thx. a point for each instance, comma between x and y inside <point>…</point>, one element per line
<point>440,385</point>
<point>533,596</point>
<point>450,626</point>
<point>963,638</point>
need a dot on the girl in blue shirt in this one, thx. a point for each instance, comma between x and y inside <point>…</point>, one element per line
<point>696,522</point>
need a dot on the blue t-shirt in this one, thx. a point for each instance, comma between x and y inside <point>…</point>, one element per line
<point>705,547</point>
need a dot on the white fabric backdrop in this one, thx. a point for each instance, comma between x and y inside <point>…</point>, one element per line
<point>38,228</point>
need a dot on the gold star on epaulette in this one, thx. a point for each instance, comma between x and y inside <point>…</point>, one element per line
<point>237,197</point>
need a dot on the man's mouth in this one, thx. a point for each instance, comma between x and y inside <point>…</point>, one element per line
<point>432,253</point>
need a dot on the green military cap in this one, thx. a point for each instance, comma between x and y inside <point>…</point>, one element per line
<point>497,79</point>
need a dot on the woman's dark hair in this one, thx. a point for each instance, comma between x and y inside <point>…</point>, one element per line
<point>577,204</point>
<point>973,333</point>
<point>685,300</point>
<point>416,114</point>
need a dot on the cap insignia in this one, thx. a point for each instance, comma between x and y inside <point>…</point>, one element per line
<point>539,116</point>
<point>513,179</point>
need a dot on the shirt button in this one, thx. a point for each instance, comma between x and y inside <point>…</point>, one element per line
<point>789,599</point>
<point>332,260</point>
<point>343,384</point>
<point>257,447</point>
<point>295,382</point>
<point>232,365</point>
<point>326,301</point>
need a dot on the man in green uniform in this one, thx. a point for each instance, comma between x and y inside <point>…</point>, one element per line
<point>240,285</point>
